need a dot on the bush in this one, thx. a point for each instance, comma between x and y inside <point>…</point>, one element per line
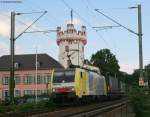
<point>28,107</point>
<point>2,109</point>
<point>140,101</point>
<point>42,105</point>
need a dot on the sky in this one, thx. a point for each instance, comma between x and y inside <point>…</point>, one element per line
<point>121,42</point>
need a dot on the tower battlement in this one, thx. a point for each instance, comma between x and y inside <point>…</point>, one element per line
<point>71,34</point>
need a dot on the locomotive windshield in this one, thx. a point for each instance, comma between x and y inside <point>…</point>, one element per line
<point>63,76</point>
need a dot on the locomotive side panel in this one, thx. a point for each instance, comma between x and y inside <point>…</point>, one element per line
<point>81,83</point>
<point>91,82</point>
<point>96,84</point>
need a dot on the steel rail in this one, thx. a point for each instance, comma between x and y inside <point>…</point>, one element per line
<point>94,112</point>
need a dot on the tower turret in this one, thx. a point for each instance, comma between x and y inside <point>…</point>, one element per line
<point>71,44</point>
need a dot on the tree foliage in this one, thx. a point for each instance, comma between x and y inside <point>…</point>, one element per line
<point>140,101</point>
<point>106,61</point>
<point>146,75</point>
<point>147,72</point>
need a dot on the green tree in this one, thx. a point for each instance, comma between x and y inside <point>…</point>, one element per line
<point>106,61</point>
<point>135,77</point>
<point>147,73</point>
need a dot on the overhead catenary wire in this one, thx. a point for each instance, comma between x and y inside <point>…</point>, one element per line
<point>31,24</point>
<point>55,20</point>
<point>92,6</point>
<point>116,22</point>
<point>42,31</point>
<point>67,5</point>
<point>115,8</point>
<point>30,13</point>
<point>21,22</point>
<point>50,18</point>
<point>89,6</point>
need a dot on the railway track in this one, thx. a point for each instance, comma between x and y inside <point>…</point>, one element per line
<point>87,110</point>
<point>98,111</point>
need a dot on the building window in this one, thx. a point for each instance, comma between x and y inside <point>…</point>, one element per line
<point>39,92</point>
<point>16,65</point>
<point>5,93</point>
<point>46,79</point>
<point>17,93</point>
<point>17,79</point>
<point>38,64</point>
<point>5,80</point>
<point>27,92</point>
<point>39,79</point>
<point>28,79</point>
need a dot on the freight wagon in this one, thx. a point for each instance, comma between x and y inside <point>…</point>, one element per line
<point>115,87</point>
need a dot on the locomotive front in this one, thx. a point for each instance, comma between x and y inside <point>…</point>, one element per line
<point>63,85</point>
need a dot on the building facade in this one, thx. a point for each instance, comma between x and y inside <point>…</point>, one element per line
<point>25,74</point>
<point>71,45</point>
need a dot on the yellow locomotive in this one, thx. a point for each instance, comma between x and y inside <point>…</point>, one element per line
<point>77,84</point>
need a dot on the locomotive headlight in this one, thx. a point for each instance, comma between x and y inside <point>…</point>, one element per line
<point>53,90</point>
<point>72,89</point>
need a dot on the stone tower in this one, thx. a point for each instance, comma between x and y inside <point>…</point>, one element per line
<point>71,45</point>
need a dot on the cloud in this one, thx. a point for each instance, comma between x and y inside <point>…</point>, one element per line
<point>5,49</point>
<point>128,66</point>
<point>76,21</point>
<point>5,25</point>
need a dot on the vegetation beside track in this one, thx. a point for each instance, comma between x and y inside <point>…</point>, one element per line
<point>28,107</point>
<point>140,101</point>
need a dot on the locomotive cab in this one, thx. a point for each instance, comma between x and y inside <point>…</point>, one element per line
<point>63,84</point>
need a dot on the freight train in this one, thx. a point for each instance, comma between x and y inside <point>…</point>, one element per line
<point>80,84</point>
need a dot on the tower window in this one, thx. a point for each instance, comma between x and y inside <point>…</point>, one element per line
<point>67,48</point>
<point>82,48</point>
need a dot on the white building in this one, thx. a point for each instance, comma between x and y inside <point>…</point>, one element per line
<point>71,45</point>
